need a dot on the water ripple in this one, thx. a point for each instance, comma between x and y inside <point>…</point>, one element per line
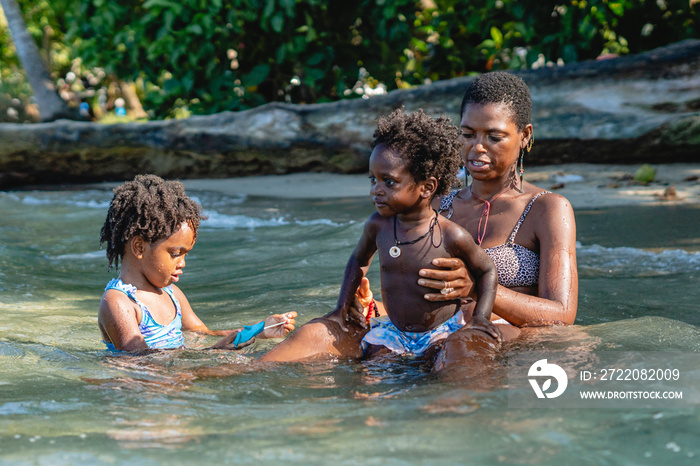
<point>636,262</point>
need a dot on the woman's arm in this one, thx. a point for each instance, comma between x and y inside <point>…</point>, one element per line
<point>462,245</point>
<point>557,297</point>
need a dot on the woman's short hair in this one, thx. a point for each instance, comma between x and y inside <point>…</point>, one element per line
<point>500,87</point>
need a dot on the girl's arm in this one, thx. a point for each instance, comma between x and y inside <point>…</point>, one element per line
<point>118,320</point>
<point>191,322</point>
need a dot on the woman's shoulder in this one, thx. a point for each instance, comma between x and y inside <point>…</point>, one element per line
<point>552,213</point>
<point>546,200</point>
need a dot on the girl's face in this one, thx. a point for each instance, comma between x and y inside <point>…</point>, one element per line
<point>164,260</point>
<point>393,189</point>
<point>492,141</point>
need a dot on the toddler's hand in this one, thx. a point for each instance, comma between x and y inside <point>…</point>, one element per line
<point>339,316</point>
<point>364,294</point>
<point>360,308</point>
<point>279,325</point>
<point>485,325</point>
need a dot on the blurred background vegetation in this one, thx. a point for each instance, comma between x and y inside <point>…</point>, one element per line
<point>157,59</point>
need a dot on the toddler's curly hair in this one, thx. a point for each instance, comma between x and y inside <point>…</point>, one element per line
<point>149,207</point>
<point>430,146</point>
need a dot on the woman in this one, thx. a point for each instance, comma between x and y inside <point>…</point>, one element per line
<point>529,233</point>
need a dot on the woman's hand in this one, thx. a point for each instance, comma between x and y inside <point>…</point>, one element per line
<point>279,325</point>
<point>453,283</point>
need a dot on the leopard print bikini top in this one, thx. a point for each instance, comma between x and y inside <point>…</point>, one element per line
<point>516,264</point>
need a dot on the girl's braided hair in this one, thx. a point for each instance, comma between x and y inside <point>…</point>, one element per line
<point>429,146</point>
<point>149,207</point>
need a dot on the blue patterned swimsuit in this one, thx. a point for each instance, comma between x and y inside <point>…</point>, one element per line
<point>156,335</point>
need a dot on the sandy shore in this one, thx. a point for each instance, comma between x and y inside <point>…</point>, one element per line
<point>585,185</point>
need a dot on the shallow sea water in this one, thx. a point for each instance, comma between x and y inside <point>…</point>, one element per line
<point>65,400</point>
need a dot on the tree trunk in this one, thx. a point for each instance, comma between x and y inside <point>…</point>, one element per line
<point>51,106</point>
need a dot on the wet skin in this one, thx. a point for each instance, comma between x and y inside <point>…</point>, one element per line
<point>150,267</point>
<point>492,143</point>
<point>402,201</point>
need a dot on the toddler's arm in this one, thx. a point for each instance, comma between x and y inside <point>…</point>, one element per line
<point>356,268</point>
<point>484,272</point>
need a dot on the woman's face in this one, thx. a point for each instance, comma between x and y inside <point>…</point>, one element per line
<point>491,139</point>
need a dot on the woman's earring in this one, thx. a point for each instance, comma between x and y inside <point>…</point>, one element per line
<point>522,156</point>
<point>522,170</point>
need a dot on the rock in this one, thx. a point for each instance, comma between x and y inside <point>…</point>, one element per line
<point>561,178</point>
<point>632,109</point>
<point>669,194</point>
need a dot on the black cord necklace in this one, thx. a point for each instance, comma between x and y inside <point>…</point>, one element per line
<point>395,251</point>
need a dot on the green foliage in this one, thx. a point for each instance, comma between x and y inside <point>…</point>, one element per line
<point>16,103</point>
<point>206,56</point>
<point>15,91</point>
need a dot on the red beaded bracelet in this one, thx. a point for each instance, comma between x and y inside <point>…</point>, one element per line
<point>372,307</point>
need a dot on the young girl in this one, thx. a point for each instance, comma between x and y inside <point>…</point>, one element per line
<point>151,225</point>
<point>414,158</point>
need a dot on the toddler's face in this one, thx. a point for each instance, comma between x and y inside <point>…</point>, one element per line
<point>165,259</point>
<point>393,189</point>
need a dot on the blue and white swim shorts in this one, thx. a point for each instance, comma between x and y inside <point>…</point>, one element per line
<point>384,333</point>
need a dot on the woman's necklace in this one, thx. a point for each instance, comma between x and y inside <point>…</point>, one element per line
<point>395,251</point>
<point>487,209</point>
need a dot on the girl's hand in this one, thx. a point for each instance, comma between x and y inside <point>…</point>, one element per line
<point>283,324</point>
<point>226,343</point>
<point>453,283</point>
